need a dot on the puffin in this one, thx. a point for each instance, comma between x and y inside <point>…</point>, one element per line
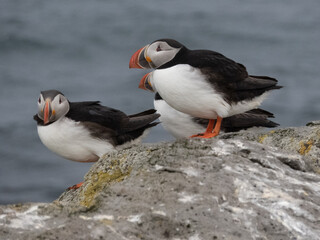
<point>84,131</point>
<point>181,125</point>
<point>201,83</point>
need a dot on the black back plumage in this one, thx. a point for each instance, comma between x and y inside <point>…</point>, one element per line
<point>229,77</point>
<point>226,76</point>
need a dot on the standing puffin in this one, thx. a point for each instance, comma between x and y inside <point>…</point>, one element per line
<point>84,131</point>
<point>201,83</point>
<point>181,125</point>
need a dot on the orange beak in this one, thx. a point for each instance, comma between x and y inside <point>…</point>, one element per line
<point>46,112</point>
<point>134,61</point>
<point>145,83</point>
<point>138,59</point>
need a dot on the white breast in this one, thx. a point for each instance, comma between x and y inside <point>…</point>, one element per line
<point>178,124</point>
<point>72,141</point>
<point>186,89</point>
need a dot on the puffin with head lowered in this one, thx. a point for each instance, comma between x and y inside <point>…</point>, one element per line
<point>201,83</point>
<point>181,125</point>
<point>84,131</point>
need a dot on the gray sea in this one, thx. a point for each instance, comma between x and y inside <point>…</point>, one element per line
<point>82,48</point>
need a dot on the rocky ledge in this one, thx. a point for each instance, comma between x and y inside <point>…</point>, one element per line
<point>254,184</point>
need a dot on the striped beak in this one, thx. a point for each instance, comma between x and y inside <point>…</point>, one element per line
<point>47,111</point>
<point>140,60</point>
<point>145,83</point>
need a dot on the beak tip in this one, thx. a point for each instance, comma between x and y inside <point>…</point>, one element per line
<point>133,63</point>
<point>134,60</point>
<point>141,86</point>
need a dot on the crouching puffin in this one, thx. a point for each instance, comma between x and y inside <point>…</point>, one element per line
<point>181,125</point>
<point>201,83</point>
<point>84,131</point>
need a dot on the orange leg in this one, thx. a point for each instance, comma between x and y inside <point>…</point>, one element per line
<point>211,133</point>
<point>76,186</point>
<point>210,125</point>
<point>208,130</point>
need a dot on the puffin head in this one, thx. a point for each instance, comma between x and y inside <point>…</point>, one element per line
<point>52,105</point>
<point>156,54</point>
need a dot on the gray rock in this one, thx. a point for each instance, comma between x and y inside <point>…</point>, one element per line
<point>231,187</point>
<point>302,140</point>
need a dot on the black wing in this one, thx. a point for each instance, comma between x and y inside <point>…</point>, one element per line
<point>218,64</point>
<point>96,113</point>
<point>229,77</point>
<point>112,124</point>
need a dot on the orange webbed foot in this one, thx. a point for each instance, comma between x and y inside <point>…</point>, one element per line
<point>197,135</point>
<point>76,186</point>
<point>210,132</point>
<point>207,135</point>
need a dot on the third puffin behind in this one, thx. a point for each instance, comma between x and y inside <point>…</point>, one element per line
<point>201,83</point>
<point>181,125</point>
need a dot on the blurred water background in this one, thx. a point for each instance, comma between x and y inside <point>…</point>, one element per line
<point>83,49</point>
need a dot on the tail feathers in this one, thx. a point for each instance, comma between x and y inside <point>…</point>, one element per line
<point>258,83</point>
<point>137,125</point>
<point>133,135</point>
<point>251,87</point>
<point>263,82</point>
<point>266,123</point>
<point>147,112</point>
<point>139,121</point>
<point>259,111</point>
<point>247,120</point>
<point>253,118</point>
<point>264,77</point>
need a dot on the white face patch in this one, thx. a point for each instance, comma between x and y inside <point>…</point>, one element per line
<point>59,106</point>
<point>41,103</point>
<point>160,53</point>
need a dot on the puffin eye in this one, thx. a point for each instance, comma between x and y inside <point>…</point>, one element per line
<point>158,49</point>
<point>39,100</point>
<point>60,101</point>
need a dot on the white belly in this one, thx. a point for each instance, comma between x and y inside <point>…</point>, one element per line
<point>185,89</point>
<point>72,141</point>
<point>178,124</point>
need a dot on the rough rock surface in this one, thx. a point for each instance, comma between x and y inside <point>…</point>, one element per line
<point>249,185</point>
<point>302,140</point>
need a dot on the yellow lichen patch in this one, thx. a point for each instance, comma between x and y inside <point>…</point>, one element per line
<point>305,147</point>
<point>262,138</point>
<point>98,181</point>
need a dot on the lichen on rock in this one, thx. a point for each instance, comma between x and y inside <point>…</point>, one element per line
<point>248,185</point>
